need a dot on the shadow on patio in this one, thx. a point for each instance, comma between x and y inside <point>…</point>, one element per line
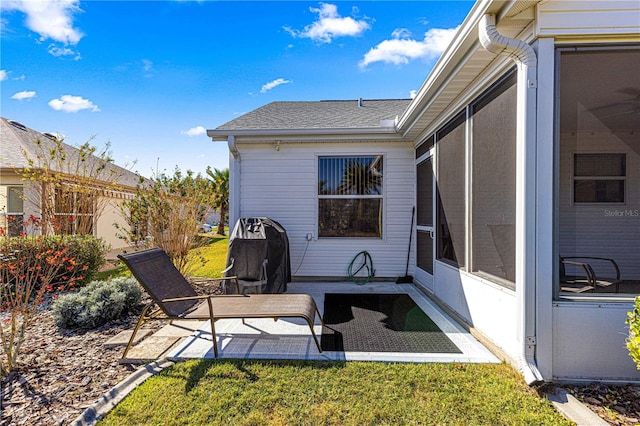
<point>290,338</point>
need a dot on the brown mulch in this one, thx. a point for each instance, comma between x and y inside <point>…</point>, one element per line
<point>63,372</point>
<point>616,404</point>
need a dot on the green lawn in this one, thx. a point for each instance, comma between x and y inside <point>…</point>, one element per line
<point>237,392</point>
<point>213,253</point>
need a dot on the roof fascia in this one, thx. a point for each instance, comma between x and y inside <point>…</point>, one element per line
<point>463,45</point>
<point>308,135</point>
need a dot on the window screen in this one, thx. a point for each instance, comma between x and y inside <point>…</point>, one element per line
<point>451,192</point>
<point>493,187</point>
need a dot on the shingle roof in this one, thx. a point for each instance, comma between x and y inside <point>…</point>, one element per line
<point>15,137</point>
<point>319,115</point>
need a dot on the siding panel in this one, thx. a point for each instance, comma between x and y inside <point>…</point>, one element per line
<point>282,185</point>
<point>567,18</point>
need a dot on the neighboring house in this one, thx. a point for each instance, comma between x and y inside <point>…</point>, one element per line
<point>521,146</point>
<point>19,199</point>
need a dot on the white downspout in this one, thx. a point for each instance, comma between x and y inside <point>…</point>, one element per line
<point>234,181</point>
<point>526,61</point>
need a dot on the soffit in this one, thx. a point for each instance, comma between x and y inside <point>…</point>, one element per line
<point>461,65</point>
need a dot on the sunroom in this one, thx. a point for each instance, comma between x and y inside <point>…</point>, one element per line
<point>527,183</point>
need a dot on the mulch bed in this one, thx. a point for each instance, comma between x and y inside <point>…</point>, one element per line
<point>62,372</point>
<point>616,404</point>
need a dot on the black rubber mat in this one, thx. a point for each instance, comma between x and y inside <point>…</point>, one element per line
<point>380,323</point>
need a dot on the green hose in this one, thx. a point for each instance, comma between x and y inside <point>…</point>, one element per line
<point>367,263</point>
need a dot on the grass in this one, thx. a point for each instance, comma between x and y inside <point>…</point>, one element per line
<point>120,271</point>
<point>244,392</point>
<point>211,258</point>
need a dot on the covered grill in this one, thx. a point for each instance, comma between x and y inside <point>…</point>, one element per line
<point>252,241</point>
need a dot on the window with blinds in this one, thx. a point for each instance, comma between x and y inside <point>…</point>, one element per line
<point>350,196</point>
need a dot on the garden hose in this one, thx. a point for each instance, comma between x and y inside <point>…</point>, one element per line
<point>367,263</point>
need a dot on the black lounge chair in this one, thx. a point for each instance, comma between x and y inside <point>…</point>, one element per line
<point>174,298</point>
<point>585,278</point>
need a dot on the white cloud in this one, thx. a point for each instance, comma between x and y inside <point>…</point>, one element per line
<point>275,83</point>
<point>3,75</point>
<point>51,19</point>
<point>194,131</point>
<point>401,49</point>
<point>68,103</point>
<point>63,51</point>
<point>401,33</point>
<point>413,93</point>
<point>147,65</point>
<point>22,77</point>
<point>330,25</point>
<point>24,95</point>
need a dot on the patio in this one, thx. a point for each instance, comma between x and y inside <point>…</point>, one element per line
<point>292,339</point>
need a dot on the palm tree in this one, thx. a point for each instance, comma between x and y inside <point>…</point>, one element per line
<point>220,179</point>
<point>361,178</point>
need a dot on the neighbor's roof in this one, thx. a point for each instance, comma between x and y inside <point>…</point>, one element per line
<point>16,138</point>
<point>305,116</point>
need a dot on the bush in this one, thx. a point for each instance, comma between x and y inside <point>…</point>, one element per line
<point>633,341</point>
<point>97,303</point>
<point>84,255</point>
<point>26,273</point>
<point>88,251</point>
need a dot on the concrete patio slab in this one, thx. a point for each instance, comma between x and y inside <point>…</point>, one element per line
<point>150,349</point>
<point>122,338</point>
<point>291,338</point>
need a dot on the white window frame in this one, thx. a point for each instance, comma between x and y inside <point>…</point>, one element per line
<point>6,213</point>
<point>381,196</point>
<point>575,178</point>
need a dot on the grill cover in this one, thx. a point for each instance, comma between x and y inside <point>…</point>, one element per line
<point>252,240</point>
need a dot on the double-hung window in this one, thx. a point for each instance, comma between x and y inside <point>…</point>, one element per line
<point>599,178</point>
<point>13,209</point>
<point>350,196</point>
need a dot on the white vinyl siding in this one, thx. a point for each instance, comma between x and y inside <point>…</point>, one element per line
<point>561,18</point>
<point>282,185</point>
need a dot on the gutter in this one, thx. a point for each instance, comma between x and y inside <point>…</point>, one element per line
<point>387,131</point>
<point>526,60</point>
<point>234,180</point>
<point>233,148</point>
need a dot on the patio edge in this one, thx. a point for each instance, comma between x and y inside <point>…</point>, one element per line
<point>116,394</point>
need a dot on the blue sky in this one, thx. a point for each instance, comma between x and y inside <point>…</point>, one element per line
<point>149,77</point>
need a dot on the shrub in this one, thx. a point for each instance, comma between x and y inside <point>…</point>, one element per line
<point>89,253</point>
<point>167,212</point>
<point>31,253</point>
<point>26,271</point>
<point>97,303</point>
<point>633,341</point>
